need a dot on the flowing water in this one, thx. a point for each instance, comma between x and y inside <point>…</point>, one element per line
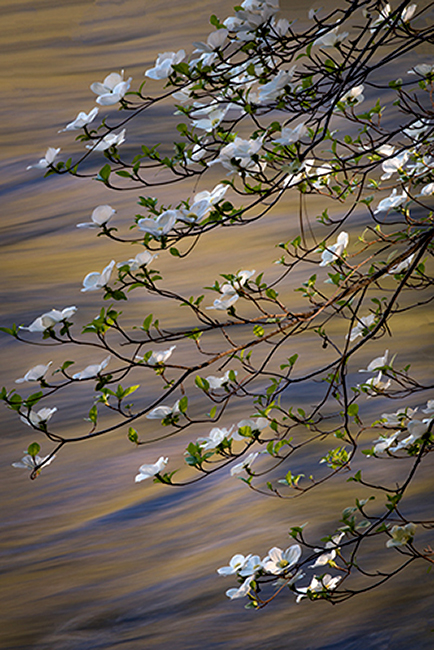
<point>90,559</point>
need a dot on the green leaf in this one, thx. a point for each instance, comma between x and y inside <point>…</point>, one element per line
<point>147,323</point>
<point>183,404</point>
<point>104,174</point>
<point>33,449</point>
<point>133,436</point>
<point>130,390</point>
<point>183,68</point>
<point>353,410</point>
<point>182,128</point>
<point>15,402</point>
<point>201,383</point>
<point>93,414</point>
<point>33,399</point>
<point>13,331</point>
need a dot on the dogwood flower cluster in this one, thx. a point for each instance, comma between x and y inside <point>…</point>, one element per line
<point>375,384</point>
<point>230,291</point>
<point>277,563</point>
<point>400,439</point>
<point>401,535</point>
<point>218,435</point>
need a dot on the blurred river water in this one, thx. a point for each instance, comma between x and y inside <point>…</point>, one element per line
<point>89,559</point>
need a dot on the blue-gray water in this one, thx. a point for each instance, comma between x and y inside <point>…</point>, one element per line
<point>89,559</point>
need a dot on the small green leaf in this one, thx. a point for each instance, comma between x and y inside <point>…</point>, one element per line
<point>201,383</point>
<point>104,173</point>
<point>33,449</point>
<point>183,404</point>
<point>93,414</point>
<point>353,410</point>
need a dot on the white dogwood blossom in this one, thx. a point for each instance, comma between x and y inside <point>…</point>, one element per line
<point>246,463</point>
<point>353,96</point>
<point>160,356</point>
<point>401,535</point>
<point>332,547</point>
<point>207,118</point>
<point>394,200</point>
<point>141,259</point>
<point>218,382</point>
<point>291,135</point>
<point>147,471</point>
<point>161,412</point>
<point>242,591</point>
<point>423,69</point>
<point>251,567</point>
<point>402,266</point>
<point>208,50</point>
<point>226,300</point>
<point>362,324</point>
<point>92,370</point>
<point>37,373</point>
<point>109,140</point>
<point>47,160</point>
<point>161,225</point>
<point>100,216</point>
<point>330,38</point>
<point>318,584</point>
<point>382,18</point>
<point>429,407</point>
<point>375,385</point>
<point>333,253</point>
<point>427,190</point>
<point>94,281</point>
<point>112,89</point>
<point>255,424</point>
<point>238,156</point>
<point>216,436</point>
<point>236,563</point>
<point>376,363</point>
<point>31,462</point>
<point>408,13</point>
<point>278,561</point>
<point>272,90</point>
<point>393,165</point>
<point>82,119</point>
<point>49,319</point>
<point>36,418</point>
<point>163,65</point>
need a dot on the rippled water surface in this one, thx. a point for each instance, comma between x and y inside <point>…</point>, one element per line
<point>89,559</point>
